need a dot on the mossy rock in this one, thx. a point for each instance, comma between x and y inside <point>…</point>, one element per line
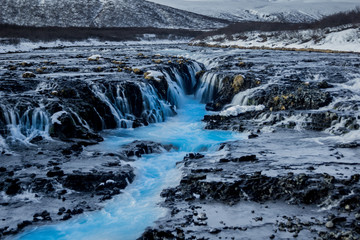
<point>137,71</point>
<point>28,75</point>
<point>238,82</point>
<point>12,68</point>
<point>158,61</point>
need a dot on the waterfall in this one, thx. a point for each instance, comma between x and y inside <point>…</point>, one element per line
<point>119,105</point>
<point>129,104</point>
<point>3,145</point>
<point>211,83</point>
<point>26,126</point>
<point>155,109</point>
<point>180,79</point>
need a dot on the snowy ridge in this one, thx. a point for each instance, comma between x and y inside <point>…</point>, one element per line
<point>263,10</point>
<point>100,13</point>
<point>344,38</point>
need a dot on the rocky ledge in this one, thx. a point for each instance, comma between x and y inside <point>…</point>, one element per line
<point>53,107</point>
<point>254,188</point>
<point>295,174</point>
<point>44,185</point>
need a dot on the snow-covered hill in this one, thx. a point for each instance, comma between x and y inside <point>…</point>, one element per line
<point>343,38</point>
<point>100,13</point>
<point>264,10</point>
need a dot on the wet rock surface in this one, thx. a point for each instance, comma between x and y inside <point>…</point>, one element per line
<point>280,192</point>
<point>295,176</point>
<point>54,103</point>
<point>78,94</point>
<point>44,185</point>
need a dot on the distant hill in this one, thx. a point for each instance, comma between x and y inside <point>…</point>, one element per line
<point>101,13</point>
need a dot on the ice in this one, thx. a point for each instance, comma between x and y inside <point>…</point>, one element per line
<point>236,110</point>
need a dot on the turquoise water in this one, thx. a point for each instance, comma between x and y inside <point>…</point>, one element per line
<point>127,216</point>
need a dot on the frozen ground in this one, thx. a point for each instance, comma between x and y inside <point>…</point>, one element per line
<point>345,38</point>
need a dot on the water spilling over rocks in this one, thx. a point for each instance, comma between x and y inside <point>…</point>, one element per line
<point>295,173</point>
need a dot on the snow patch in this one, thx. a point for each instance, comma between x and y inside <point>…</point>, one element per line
<point>94,57</point>
<point>55,117</point>
<point>155,74</point>
<point>344,38</point>
<point>26,45</point>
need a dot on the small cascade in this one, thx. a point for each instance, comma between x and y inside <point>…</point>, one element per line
<point>175,92</point>
<point>118,104</point>
<point>211,83</point>
<point>3,145</point>
<point>155,109</point>
<point>34,122</point>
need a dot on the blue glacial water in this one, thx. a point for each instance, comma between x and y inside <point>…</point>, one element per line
<point>127,216</point>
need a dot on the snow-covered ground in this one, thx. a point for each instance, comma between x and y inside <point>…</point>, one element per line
<point>263,10</point>
<point>26,45</point>
<point>343,38</point>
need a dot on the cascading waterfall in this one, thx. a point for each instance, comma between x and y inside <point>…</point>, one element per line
<point>118,104</point>
<point>210,84</point>
<point>119,98</point>
<point>155,108</point>
<point>3,145</point>
<point>26,126</point>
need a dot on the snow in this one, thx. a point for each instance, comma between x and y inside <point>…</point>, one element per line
<point>343,38</point>
<point>236,110</point>
<point>94,57</point>
<point>110,181</point>
<point>26,45</point>
<point>55,117</point>
<point>155,74</point>
<point>263,10</point>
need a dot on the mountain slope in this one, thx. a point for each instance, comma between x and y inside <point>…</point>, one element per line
<point>341,38</point>
<point>100,13</point>
<point>264,10</point>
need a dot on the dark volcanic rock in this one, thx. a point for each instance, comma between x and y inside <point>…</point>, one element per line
<point>230,86</point>
<point>138,148</point>
<point>99,181</point>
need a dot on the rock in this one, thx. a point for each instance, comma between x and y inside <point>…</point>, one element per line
<point>324,84</point>
<point>137,71</point>
<point>95,182</point>
<point>23,224</point>
<point>214,230</point>
<point>55,173</point>
<point>139,148</point>
<point>28,75</point>
<point>67,216</point>
<point>95,57</point>
<point>245,158</point>
<point>253,135</point>
<point>329,224</point>
<point>13,189</point>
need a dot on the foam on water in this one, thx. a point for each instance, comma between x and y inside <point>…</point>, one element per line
<point>127,216</point>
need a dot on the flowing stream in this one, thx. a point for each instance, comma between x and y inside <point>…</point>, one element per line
<point>127,216</point>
